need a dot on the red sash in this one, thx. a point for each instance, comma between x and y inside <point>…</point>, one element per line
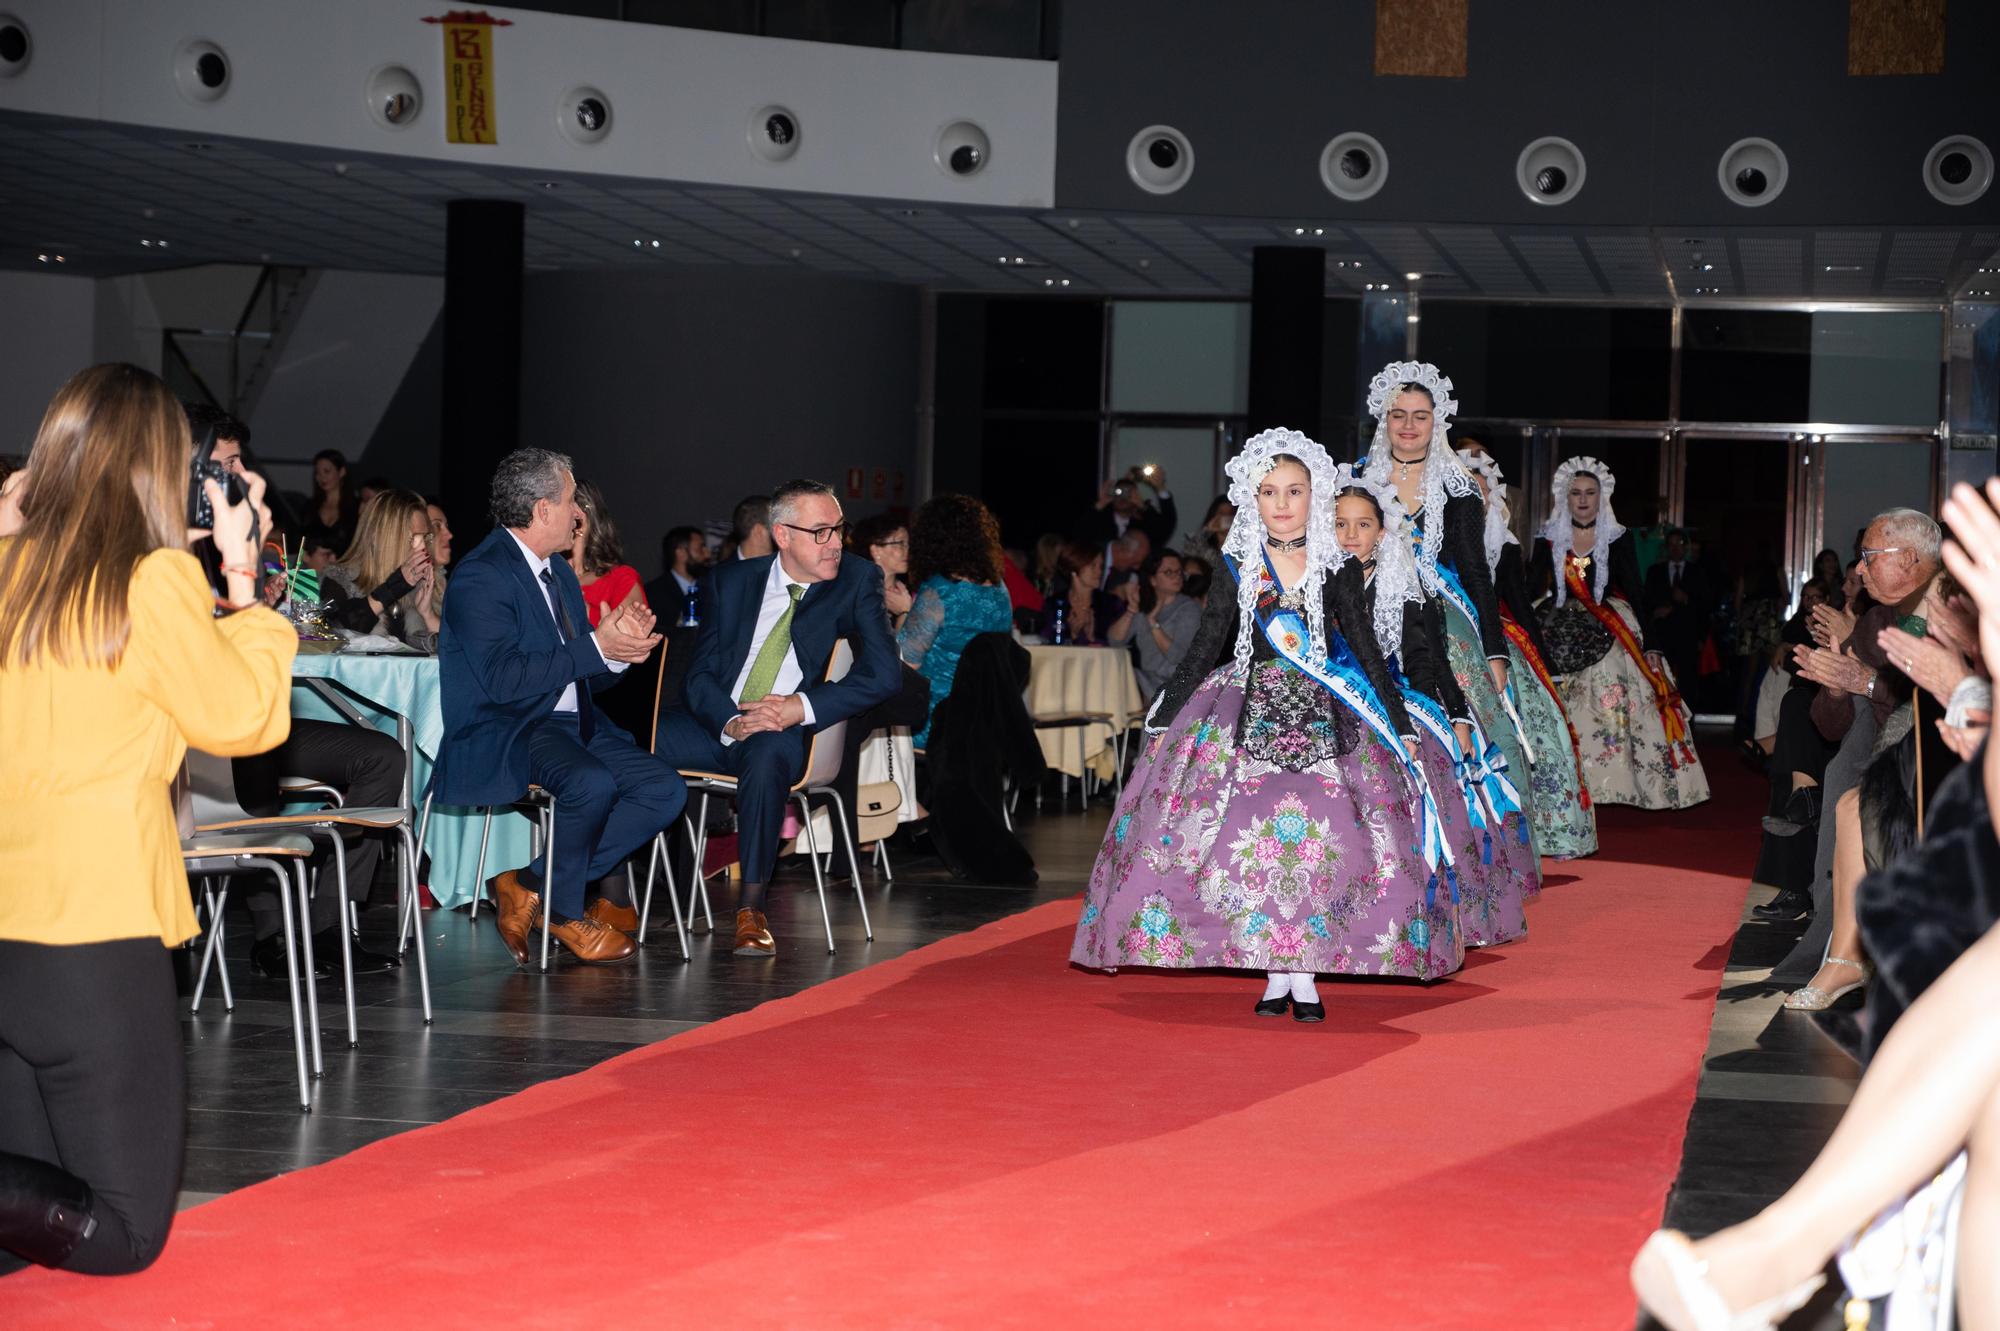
<point>1673,712</point>
<point>1525,645</point>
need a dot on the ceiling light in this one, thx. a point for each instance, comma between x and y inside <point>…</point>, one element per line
<point>638,244</point>
<point>1412,277</point>
<point>1708,268</point>
<point>42,258</point>
<point>1410,319</point>
<point>1843,268</point>
<point>1064,282</point>
<point>1048,281</point>
<point>1319,231</point>
<point>1298,231</point>
<point>147,243</point>
<point>62,259</point>
<point>656,244</point>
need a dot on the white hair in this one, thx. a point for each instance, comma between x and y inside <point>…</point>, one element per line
<point>1914,531</point>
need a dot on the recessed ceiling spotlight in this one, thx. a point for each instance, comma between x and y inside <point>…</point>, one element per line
<point>1319,231</point>
<point>1410,319</point>
<point>1048,281</point>
<point>638,244</point>
<point>550,184</point>
<point>1843,268</point>
<point>656,244</point>
<point>147,243</point>
<point>1298,231</point>
<point>1708,268</point>
<point>42,258</point>
<point>1064,282</point>
<point>1412,277</point>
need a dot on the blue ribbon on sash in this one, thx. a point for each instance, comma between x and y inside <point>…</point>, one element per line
<point>1337,671</point>
<point>1454,591</point>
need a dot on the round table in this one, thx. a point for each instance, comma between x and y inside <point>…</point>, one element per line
<point>1064,681</point>
<point>399,694</point>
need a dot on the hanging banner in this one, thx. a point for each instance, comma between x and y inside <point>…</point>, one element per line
<point>468,75</point>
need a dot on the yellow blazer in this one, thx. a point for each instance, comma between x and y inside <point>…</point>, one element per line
<point>89,851</point>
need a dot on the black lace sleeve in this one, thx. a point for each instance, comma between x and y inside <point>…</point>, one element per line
<point>1542,570</point>
<point>1510,586</point>
<point>1624,581</point>
<point>1347,605</point>
<point>1427,661</point>
<point>1465,550</point>
<point>1214,636</point>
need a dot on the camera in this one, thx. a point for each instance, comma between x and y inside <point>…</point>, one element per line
<point>202,467</point>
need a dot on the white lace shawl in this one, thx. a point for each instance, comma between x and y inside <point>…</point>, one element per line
<point>1245,542</point>
<point>1395,581</point>
<point>1445,478</point>
<point>1499,531</point>
<point>1556,531</point>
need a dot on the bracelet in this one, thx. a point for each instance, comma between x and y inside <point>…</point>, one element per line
<point>1869,692</point>
<point>243,569</point>
<point>231,607</point>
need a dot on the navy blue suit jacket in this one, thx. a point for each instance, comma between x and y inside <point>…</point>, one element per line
<point>501,666</point>
<point>847,606</point>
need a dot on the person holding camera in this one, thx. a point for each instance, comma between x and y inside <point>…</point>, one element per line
<point>115,656</point>
<point>1121,507</point>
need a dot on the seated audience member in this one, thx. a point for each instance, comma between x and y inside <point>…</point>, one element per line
<point>1120,508</point>
<point>385,583</point>
<point>597,557</point>
<point>1048,552</point>
<point>1161,621</point>
<point>1206,542</point>
<point>375,485</point>
<point>1832,575</point>
<point>1196,576</point>
<point>440,534</point>
<point>316,554</point>
<point>11,485</point>
<point>748,703</point>
<point>749,529</point>
<point>885,542</point>
<point>1858,689</point>
<point>517,665</point>
<point>1126,556</point>
<point>684,557</point>
<point>1026,597</point>
<point>955,556</point>
<point>335,507</point>
<point>113,662</point>
<point>1078,587</point>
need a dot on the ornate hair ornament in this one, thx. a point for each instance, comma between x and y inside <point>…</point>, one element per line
<point>1245,541</point>
<point>1395,581</point>
<point>1556,531</point>
<point>1483,466</point>
<point>1444,477</point>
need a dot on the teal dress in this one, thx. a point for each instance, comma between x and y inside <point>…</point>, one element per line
<point>949,613</point>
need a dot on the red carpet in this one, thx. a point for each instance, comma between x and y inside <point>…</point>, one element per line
<point>976,1135</point>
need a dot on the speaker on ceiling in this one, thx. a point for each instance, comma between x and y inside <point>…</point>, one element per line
<point>201,70</point>
<point>1752,172</point>
<point>1958,169</point>
<point>16,47</point>
<point>962,149</point>
<point>394,97</point>
<point>1550,170</point>
<point>774,134</point>
<point>584,116</point>
<point>1159,159</point>
<point>1353,166</point>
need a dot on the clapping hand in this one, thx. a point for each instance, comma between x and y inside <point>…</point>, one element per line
<point>1831,627</point>
<point>1973,556</point>
<point>1965,740</point>
<point>896,597</point>
<point>1934,667</point>
<point>1833,669</point>
<point>626,634</point>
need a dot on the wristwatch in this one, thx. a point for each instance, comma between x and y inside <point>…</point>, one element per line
<point>1869,692</point>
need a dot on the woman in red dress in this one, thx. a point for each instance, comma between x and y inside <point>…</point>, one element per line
<point>598,558</point>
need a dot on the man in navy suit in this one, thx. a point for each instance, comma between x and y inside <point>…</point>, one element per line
<point>756,687</point>
<point>518,662</point>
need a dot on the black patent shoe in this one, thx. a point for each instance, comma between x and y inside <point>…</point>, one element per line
<point>326,945</point>
<point>1785,906</point>
<point>1308,1012</point>
<point>1273,1007</point>
<point>267,959</point>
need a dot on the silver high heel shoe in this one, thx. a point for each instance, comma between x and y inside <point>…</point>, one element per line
<point>1672,1285</point>
<point>1811,998</point>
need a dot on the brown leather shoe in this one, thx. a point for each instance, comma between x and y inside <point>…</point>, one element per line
<point>625,919</point>
<point>593,943</point>
<point>514,912</point>
<point>753,935</point>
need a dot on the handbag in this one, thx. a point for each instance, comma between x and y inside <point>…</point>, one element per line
<point>1909,1257</point>
<point>876,802</point>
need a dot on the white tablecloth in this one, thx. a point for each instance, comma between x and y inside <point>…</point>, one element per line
<point>1063,680</point>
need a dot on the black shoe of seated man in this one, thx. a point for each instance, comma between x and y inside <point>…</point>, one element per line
<point>1803,806</point>
<point>326,946</point>
<point>267,958</point>
<point>1787,905</point>
<point>1308,1011</point>
<point>1273,1007</point>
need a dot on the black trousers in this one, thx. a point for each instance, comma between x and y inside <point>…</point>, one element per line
<point>91,1080</point>
<point>367,764</point>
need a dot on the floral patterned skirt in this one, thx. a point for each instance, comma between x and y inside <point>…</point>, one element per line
<point>1475,681</point>
<point>1219,858</point>
<point>1564,829</point>
<point>1625,755</point>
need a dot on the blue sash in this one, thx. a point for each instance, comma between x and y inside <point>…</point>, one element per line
<point>1451,589</point>
<point>1340,674</point>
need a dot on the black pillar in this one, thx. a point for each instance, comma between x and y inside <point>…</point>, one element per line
<point>1287,330</point>
<point>482,356</point>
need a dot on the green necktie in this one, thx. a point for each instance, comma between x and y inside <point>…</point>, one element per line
<point>764,670</point>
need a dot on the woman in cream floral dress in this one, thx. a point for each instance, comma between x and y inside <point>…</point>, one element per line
<point>1278,821</point>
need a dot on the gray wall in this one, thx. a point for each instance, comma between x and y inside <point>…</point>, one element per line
<point>678,393</point>
<point>1652,91</point>
<point>45,338</point>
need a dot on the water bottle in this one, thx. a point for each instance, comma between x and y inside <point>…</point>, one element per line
<point>1055,629</point>
<point>691,617</point>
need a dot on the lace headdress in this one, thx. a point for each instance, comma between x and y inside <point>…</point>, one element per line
<point>1483,466</point>
<point>1444,477</point>
<point>1245,542</point>
<point>1395,581</point>
<point>1556,531</point>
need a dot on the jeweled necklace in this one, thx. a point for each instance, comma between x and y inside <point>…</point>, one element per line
<point>1407,463</point>
<point>1298,543</point>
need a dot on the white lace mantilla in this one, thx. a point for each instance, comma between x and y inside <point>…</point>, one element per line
<point>1245,542</point>
<point>1556,531</point>
<point>1396,581</point>
<point>1499,531</point>
<point>1444,477</point>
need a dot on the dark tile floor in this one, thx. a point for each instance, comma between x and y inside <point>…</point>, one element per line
<point>500,1029</point>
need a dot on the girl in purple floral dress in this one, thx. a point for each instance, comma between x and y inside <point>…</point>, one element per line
<point>1277,821</point>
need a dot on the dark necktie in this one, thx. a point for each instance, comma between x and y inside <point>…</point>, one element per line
<point>586,714</point>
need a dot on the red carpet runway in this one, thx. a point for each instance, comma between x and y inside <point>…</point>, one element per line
<point>977,1135</point>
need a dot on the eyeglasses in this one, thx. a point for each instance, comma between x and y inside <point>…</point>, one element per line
<point>820,534</point>
<point>1868,555</point>
<point>900,540</point>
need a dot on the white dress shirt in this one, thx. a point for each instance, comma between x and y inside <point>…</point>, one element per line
<point>538,565</point>
<point>685,583</point>
<point>776,598</point>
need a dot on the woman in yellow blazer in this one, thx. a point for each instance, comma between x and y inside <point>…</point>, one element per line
<point>115,656</point>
